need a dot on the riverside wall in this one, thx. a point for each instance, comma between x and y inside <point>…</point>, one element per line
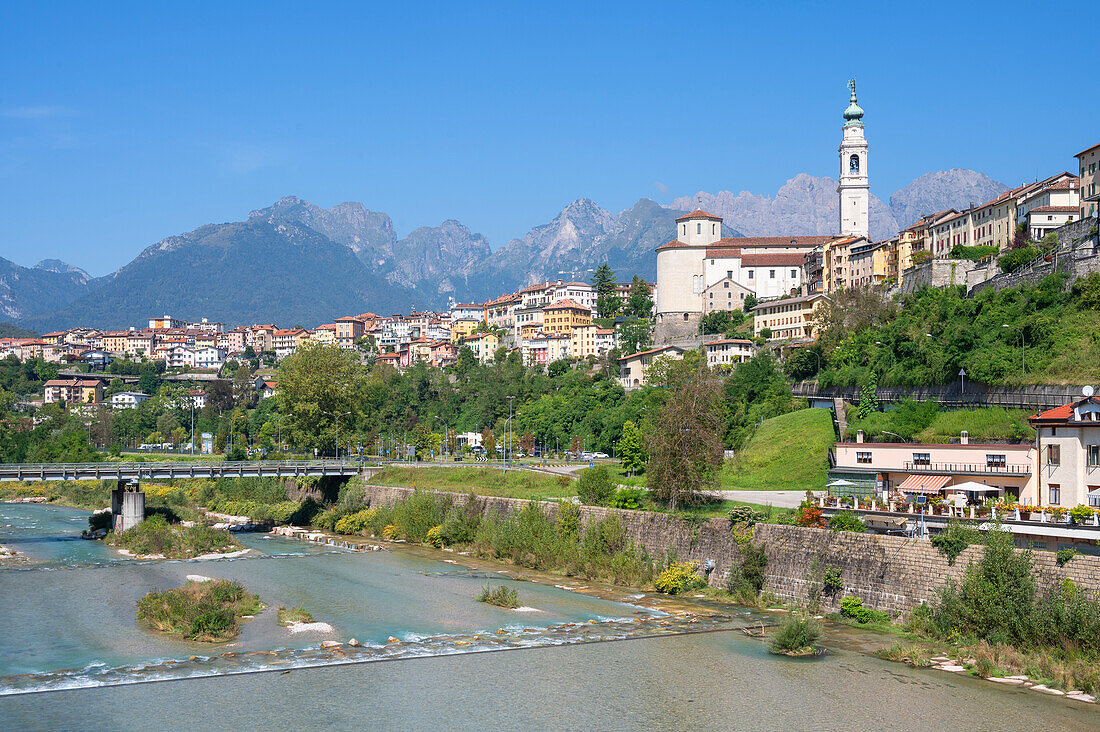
<point>890,573</point>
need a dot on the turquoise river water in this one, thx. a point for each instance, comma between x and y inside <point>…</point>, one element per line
<point>72,654</point>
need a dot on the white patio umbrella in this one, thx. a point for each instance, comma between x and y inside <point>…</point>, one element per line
<point>972,487</point>
<point>840,483</point>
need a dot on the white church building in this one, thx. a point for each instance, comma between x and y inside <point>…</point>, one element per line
<point>700,272</point>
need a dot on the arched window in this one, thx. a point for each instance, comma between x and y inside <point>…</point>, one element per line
<point>853,163</point>
<point>698,228</point>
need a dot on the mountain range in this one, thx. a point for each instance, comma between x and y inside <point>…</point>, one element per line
<point>295,263</point>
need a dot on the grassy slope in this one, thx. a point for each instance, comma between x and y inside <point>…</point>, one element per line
<point>983,424</point>
<point>789,452</point>
<point>483,481</point>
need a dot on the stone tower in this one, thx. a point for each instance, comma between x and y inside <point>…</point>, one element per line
<point>854,188</point>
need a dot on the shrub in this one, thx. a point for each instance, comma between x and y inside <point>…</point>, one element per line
<point>795,634</point>
<point>435,536</point>
<point>101,520</point>
<point>1081,514</point>
<point>753,562</point>
<point>1063,556</point>
<point>202,611</point>
<point>155,535</point>
<point>852,607</point>
<point>679,577</point>
<point>954,539</point>
<point>354,523</point>
<point>846,521</point>
<point>594,487</point>
<point>294,615</point>
<point>745,515</point>
<point>809,515</point>
<point>631,498</point>
<point>500,596</point>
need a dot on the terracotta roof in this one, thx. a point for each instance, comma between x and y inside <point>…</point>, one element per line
<point>723,252</point>
<point>787,301</point>
<point>1064,412</point>
<point>567,304</point>
<point>604,331</point>
<point>804,242</point>
<point>1070,184</point>
<point>777,258</point>
<point>536,287</point>
<point>1054,209</point>
<point>699,214</point>
<point>1087,150</point>
<point>728,340</point>
<point>662,349</point>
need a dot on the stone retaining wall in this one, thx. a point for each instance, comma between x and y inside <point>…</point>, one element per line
<point>889,573</point>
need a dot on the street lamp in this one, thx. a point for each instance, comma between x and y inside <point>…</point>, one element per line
<point>1023,345</point>
<point>336,417</point>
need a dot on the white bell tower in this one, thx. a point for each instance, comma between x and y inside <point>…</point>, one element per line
<point>854,188</point>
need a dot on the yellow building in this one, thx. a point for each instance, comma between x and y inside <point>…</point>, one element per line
<point>484,346</point>
<point>565,315</point>
<point>836,271</point>
<point>788,319</point>
<point>463,328</point>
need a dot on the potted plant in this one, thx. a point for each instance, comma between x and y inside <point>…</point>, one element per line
<point>1026,510</point>
<point>1081,514</point>
<point>1058,512</point>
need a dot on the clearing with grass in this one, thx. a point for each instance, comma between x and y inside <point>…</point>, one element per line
<point>788,452</point>
<point>487,481</point>
<point>156,537</point>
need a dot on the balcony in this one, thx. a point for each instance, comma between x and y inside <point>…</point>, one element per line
<point>1022,470</point>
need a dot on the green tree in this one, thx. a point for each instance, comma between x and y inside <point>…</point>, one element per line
<point>630,449</point>
<point>242,384</point>
<point>488,441</point>
<point>639,304</point>
<point>868,402</point>
<point>607,300</point>
<point>317,382</point>
<point>750,303</point>
<point>634,335</point>
<point>685,447</point>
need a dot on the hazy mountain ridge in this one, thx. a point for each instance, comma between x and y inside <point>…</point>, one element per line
<point>297,263</point>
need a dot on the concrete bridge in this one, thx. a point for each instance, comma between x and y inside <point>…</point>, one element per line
<point>185,469</point>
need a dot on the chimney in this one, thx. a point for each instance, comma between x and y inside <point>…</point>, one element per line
<point>859,436</point>
<point>964,438</point>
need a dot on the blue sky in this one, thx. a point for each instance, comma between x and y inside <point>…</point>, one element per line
<point>121,124</point>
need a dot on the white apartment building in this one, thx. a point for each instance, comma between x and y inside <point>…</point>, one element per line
<point>632,368</point>
<point>728,352</point>
<point>128,399</point>
<point>209,358</point>
<point>787,319</point>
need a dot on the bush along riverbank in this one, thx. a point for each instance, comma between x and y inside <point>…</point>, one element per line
<point>155,537</point>
<point>209,612</point>
<point>996,623</point>
<point>528,538</point>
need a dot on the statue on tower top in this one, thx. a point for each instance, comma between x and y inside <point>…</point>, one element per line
<point>853,114</point>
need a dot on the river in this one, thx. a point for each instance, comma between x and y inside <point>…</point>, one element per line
<point>73,655</point>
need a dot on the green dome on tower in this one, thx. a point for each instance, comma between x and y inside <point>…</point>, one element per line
<point>853,114</point>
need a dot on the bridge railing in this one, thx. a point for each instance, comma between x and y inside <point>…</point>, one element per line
<point>177,468</point>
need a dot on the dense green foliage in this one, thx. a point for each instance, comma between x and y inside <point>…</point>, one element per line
<point>846,521</point>
<point>869,336</point>
<point>199,611</point>
<point>926,422</point>
<point>852,607</point>
<point>594,487</point>
<point>795,635</point>
<point>954,539</point>
<point>7,330</point>
<point>501,596</point>
<point>997,600</point>
<point>678,578</point>
<point>155,535</point>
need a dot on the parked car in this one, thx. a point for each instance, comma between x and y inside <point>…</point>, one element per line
<point>600,455</point>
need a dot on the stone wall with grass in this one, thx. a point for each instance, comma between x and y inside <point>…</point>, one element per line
<point>888,573</point>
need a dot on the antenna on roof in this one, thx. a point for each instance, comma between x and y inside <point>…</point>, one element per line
<point>1087,391</point>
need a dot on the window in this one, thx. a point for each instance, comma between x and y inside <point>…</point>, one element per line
<point>863,457</point>
<point>1054,455</point>
<point>794,274</point>
<point>771,274</point>
<point>1055,493</point>
<point>922,458</point>
<point>698,229</point>
<point>1094,455</point>
<point>726,285</point>
<point>994,461</point>
<point>714,228</point>
<point>729,274</point>
<point>750,274</point>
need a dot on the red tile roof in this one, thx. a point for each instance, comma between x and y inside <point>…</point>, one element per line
<point>777,258</point>
<point>699,214</point>
<point>566,304</point>
<point>661,349</point>
<point>1054,209</point>
<point>801,242</point>
<point>1064,412</point>
<point>1087,150</point>
<point>723,252</point>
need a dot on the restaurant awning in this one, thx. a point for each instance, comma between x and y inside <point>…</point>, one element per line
<point>924,484</point>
